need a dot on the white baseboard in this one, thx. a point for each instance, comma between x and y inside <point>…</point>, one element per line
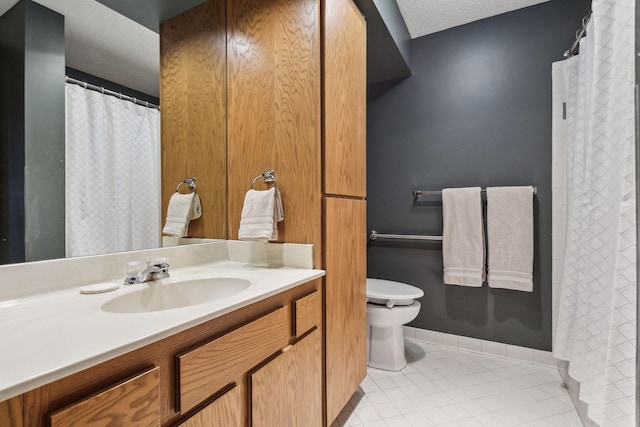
<point>505,351</point>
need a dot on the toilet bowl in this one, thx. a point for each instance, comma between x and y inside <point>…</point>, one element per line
<point>389,306</point>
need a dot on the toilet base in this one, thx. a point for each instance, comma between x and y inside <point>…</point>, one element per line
<point>385,348</point>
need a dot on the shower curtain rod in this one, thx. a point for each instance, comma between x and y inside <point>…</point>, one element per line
<point>573,50</point>
<point>111,93</point>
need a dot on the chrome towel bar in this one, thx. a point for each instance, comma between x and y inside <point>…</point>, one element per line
<point>374,235</point>
<point>419,193</point>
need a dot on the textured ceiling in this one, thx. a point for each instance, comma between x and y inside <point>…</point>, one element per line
<point>430,16</point>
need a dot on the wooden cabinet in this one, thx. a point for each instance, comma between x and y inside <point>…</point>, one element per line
<point>11,412</point>
<point>134,402</point>
<point>345,99</point>
<point>306,313</point>
<point>225,411</point>
<point>296,103</point>
<point>287,391</point>
<point>345,237</point>
<point>205,370</point>
<point>200,376</point>
<point>345,289</point>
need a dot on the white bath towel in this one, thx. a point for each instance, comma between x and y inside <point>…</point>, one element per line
<point>261,212</point>
<point>510,237</point>
<point>463,253</point>
<point>182,209</point>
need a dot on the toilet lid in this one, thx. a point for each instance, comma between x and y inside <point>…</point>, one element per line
<point>389,290</point>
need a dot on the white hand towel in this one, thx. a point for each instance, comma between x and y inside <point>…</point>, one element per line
<point>182,209</point>
<point>463,253</point>
<point>261,212</point>
<point>510,237</point>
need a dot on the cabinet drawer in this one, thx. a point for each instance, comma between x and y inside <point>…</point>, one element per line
<point>206,369</point>
<point>307,313</point>
<point>133,402</point>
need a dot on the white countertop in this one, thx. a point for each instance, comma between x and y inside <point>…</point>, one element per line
<point>49,336</point>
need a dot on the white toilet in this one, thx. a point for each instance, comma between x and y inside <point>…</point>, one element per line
<point>389,306</point>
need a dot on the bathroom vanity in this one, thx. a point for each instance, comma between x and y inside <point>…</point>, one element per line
<point>167,354</point>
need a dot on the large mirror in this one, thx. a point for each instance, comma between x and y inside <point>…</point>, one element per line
<point>92,42</point>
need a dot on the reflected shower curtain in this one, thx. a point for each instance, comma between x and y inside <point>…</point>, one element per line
<point>112,174</point>
<point>596,329</point>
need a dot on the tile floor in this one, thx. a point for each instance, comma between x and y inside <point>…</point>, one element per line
<point>443,386</point>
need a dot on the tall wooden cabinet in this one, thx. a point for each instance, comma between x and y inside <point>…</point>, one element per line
<point>296,103</point>
<point>344,61</point>
<point>345,309</point>
<point>345,95</point>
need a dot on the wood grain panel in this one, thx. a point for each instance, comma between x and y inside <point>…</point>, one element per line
<point>193,111</point>
<point>224,411</point>
<point>287,392</point>
<point>274,100</point>
<point>208,368</point>
<point>11,412</point>
<point>135,402</point>
<point>345,301</point>
<point>345,99</point>
<point>307,313</point>
<point>39,402</point>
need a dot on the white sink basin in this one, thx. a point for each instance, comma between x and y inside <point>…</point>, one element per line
<point>168,294</point>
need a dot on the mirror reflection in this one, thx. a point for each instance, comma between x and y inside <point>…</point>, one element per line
<point>82,158</point>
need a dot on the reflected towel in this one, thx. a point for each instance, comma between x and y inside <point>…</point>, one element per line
<point>510,237</point>
<point>182,209</point>
<point>261,212</point>
<point>463,254</point>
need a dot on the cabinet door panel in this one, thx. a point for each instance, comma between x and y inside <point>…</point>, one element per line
<point>345,99</point>
<point>345,289</point>
<point>208,368</point>
<point>11,412</point>
<point>287,391</point>
<point>224,411</point>
<point>134,402</point>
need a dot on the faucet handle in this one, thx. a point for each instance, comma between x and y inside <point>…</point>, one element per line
<point>163,265</point>
<point>160,262</point>
<point>133,271</point>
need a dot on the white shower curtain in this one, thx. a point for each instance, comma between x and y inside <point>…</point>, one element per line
<point>596,329</point>
<point>112,174</point>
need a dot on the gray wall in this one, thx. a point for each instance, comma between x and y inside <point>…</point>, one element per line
<point>32,111</point>
<point>11,134</point>
<point>475,112</point>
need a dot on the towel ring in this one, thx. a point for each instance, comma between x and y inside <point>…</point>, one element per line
<point>267,176</point>
<point>191,183</point>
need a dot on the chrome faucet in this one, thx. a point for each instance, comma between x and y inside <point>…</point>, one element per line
<point>155,270</point>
